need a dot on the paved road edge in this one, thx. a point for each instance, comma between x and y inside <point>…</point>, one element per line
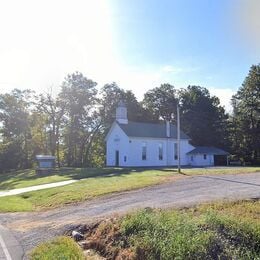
<point>10,246</point>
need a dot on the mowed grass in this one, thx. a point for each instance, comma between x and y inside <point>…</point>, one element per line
<point>84,190</point>
<point>213,231</point>
<point>27,178</point>
<point>60,248</point>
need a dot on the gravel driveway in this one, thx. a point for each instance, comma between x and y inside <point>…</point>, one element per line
<point>32,228</point>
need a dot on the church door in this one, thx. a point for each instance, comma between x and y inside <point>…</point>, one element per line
<point>117,158</point>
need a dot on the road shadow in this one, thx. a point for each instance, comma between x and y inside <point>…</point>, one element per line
<point>228,180</point>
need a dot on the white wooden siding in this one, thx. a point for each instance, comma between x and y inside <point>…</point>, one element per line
<point>131,149</point>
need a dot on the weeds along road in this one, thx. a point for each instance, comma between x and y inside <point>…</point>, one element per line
<point>32,228</point>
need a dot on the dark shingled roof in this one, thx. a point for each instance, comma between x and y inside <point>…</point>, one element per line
<point>208,150</point>
<point>136,129</point>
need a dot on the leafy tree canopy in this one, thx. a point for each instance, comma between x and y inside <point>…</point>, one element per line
<point>161,102</point>
<point>246,116</point>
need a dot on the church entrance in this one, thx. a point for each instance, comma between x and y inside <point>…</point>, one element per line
<point>117,158</point>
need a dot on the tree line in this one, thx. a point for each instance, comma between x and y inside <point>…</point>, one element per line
<point>72,124</point>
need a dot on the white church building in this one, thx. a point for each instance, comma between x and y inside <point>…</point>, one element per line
<point>137,144</point>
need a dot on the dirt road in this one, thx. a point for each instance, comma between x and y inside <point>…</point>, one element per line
<point>32,228</point>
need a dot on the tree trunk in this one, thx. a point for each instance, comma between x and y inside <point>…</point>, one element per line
<point>86,157</point>
<point>58,146</point>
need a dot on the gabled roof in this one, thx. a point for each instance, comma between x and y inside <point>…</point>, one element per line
<point>137,129</point>
<point>208,150</point>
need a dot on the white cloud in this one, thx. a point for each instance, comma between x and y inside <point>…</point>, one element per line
<point>177,70</point>
<point>171,69</point>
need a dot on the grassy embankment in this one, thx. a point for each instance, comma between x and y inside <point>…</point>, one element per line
<point>96,182</point>
<point>213,231</point>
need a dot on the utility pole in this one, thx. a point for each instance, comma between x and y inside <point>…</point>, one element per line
<point>178,138</point>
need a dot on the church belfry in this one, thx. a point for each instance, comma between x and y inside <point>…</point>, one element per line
<point>121,113</point>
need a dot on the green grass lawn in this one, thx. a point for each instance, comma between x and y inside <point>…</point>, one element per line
<point>213,231</point>
<point>92,186</point>
<point>96,182</point>
<point>26,178</point>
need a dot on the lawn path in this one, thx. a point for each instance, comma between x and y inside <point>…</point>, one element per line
<point>36,187</point>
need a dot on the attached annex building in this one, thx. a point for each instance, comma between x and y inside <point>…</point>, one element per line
<point>136,144</point>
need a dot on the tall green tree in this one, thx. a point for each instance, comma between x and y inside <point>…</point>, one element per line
<point>78,96</point>
<point>39,133</point>
<point>161,102</point>
<point>203,118</point>
<point>15,131</point>
<point>246,117</point>
<point>53,109</point>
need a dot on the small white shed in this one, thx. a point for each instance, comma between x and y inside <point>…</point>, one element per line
<point>207,156</point>
<point>45,161</point>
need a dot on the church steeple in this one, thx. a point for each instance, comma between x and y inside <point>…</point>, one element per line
<point>121,113</point>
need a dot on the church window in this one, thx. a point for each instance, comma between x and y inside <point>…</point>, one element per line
<point>144,151</point>
<point>160,151</point>
<point>175,151</point>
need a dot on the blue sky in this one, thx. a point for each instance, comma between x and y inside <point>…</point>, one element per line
<point>137,43</point>
<point>197,38</point>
